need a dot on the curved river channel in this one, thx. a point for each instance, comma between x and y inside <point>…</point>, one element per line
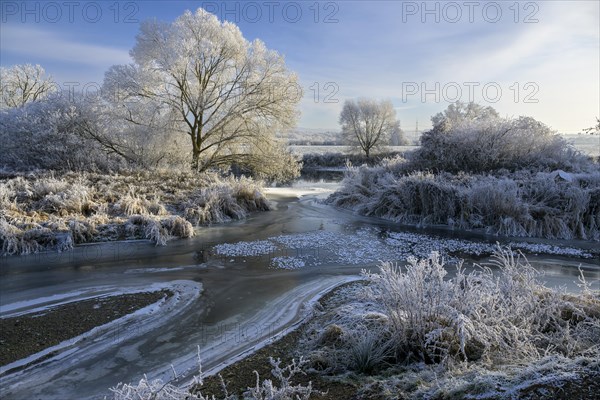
<point>224,305</point>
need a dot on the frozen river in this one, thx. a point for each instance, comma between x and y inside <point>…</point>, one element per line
<point>229,299</point>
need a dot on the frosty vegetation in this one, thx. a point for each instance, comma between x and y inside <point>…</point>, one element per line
<point>112,165</point>
<point>44,212</point>
<point>267,389</point>
<point>368,124</point>
<point>418,333</point>
<point>311,161</point>
<point>197,95</point>
<point>21,84</point>
<point>430,330</point>
<point>477,170</point>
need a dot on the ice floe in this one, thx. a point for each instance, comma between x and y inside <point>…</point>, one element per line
<point>368,245</point>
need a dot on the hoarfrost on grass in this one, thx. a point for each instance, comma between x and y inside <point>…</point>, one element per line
<point>46,212</point>
<point>419,332</point>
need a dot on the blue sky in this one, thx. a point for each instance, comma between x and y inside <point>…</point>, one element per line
<point>524,58</point>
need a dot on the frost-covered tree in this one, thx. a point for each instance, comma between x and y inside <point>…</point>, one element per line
<point>53,134</point>
<point>22,84</point>
<point>472,138</point>
<point>397,138</point>
<point>200,77</point>
<point>594,130</point>
<point>368,124</point>
<point>460,113</point>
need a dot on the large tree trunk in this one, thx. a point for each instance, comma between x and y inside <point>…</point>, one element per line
<point>195,153</point>
<point>195,160</point>
<point>196,148</point>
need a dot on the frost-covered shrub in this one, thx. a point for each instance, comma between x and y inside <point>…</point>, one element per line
<point>49,134</point>
<point>500,317</point>
<point>223,202</point>
<point>513,204</point>
<point>340,160</point>
<point>470,138</point>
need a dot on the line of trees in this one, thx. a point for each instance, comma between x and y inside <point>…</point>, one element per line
<point>196,78</point>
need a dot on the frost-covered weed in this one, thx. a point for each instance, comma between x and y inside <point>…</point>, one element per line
<point>34,238</point>
<point>266,390</point>
<point>131,204</point>
<point>178,227</point>
<point>82,231</point>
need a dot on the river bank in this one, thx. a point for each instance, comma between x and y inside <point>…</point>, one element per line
<point>24,335</point>
<point>340,364</point>
<point>46,211</point>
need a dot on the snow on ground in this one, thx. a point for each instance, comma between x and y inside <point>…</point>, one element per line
<point>368,245</point>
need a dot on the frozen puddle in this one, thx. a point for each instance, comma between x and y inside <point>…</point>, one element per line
<point>367,245</point>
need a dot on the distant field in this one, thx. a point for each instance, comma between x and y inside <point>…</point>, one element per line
<point>588,144</point>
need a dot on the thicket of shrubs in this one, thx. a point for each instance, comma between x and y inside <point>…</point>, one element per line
<point>490,144</point>
<point>339,160</point>
<point>65,132</point>
<point>498,323</point>
<point>53,134</point>
<point>477,170</point>
<point>41,211</point>
<point>533,204</point>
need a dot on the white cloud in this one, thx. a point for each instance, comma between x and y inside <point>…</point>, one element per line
<point>43,44</point>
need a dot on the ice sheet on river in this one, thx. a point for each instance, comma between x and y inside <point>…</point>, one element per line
<point>368,245</point>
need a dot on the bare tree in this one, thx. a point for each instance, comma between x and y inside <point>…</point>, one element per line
<point>201,77</point>
<point>21,84</point>
<point>368,124</point>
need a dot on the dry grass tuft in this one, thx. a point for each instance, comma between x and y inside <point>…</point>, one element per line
<point>48,212</point>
